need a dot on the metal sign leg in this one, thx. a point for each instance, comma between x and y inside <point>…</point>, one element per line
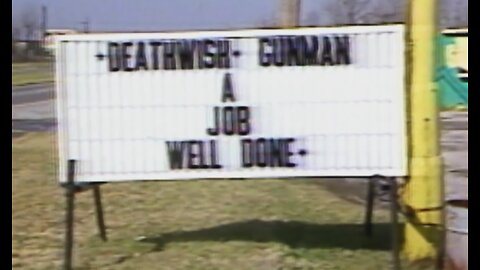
<point>70,196</point>
<point>70,190</point>
<point>394,222</point>
<point>369,207</point>
<point>99,210</point>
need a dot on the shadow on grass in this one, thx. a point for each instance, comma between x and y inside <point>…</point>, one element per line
<point>292,233</point>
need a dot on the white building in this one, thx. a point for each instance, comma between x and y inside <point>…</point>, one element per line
<point>50,37</point>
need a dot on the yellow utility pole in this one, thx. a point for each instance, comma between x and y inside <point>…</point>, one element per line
<point>289,13</point>
<point>423,194</point>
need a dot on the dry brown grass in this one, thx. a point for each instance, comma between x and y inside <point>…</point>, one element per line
<point>258,224</point>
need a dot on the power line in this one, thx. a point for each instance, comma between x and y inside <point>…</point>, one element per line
<point>86,25</point>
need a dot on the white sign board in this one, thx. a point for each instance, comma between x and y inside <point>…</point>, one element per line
<point>311,102</point>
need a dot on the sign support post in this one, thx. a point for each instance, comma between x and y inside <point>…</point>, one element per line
<point>394,222</point>
<point>70,190</point>
<point>70,196</point>
<point>424,188</point>
<point>99,211</point>
<point>391,187</point>
<point>369,207</point>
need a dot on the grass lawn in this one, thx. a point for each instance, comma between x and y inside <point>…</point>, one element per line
<point>31,73</point>
<point>257,224</point>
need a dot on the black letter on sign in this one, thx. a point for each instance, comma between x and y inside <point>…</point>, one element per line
<point>141,59</point>
<point>126,56</point>
<point>326,52</point>
<point>243,116</point>
<point>265,58</point>
<point>295,53</point>
<point>213,155</point>
<point>261,151</point>
<point>279,51</point>
<point>208,58</point>
<point>187,48</point>
<point>288,152</point>
<point>223,54</point>
<point>214,131</point>
<point>227,89</point>
<point>114,57</point>
<point>228,120</point>
<point>155,45</point>
<point>169,56</point>
<point>276,159</point>
<point>192,155</point>
<point>343,50</point>
<point>202,155</point>
<point>311,48</point>
<point>175,154</point>
<point>247,153</point>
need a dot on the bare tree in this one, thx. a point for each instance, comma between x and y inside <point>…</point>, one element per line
<point>353,10</point>
<point>364,11</point>
<point>15,36</point>
<point>460,13</point>
<point>28,28</point>
<point>453,13</point>
<point>29,22</point>
<point>389,11</point>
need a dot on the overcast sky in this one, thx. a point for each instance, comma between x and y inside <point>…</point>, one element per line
<point>154,15</point>
<point>157,15</point>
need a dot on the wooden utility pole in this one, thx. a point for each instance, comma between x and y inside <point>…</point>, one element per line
<point>290,13</point>
<point>44,25</point>
<point>423,194</point>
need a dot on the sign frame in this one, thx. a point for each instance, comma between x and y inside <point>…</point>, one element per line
<point>206,174</point>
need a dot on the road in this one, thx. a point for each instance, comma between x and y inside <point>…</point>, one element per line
<point>33,110</point>
<point>32,93</point>
<point>455,154</point>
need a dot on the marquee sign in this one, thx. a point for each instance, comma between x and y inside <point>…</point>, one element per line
<point>308,102</point>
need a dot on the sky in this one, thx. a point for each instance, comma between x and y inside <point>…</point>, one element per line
<point>160,15</point>
<point>154,15</point>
